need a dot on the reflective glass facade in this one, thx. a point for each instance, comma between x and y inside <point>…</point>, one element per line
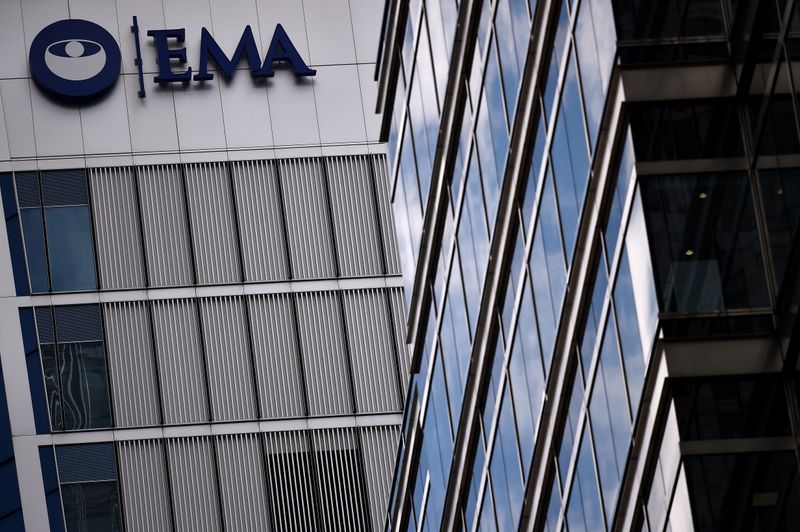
<point>597,211</point>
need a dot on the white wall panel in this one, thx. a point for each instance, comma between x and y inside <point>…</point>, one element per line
<point>12,42</point>
<point>243,486</point>
<point>230,365</point>
<point>150,16</point>
<point>246,125</point>
<point>134,378</point>
<point>369,97</point>
<point>144,486</point>
<point>194,484</point>
<point>339,109</point>
<point>367,20</point>
<point>330,32</point>
<point>324,353</point>
<point>152,119</point>
<point>289,14</point>
<point>198,109</point>
<point>117,230</point>
<point>276,356</point>
<point>213,224</point>
<point>293,110</point>
<point>18,117</point>
<point>180,361</point>
<point>57,127</point>
<point>166,234</point>
<point>370,339</point>
<point>105,123</point>
<point>307,218</point>
<point>261,226</point>
<point>355,222</point>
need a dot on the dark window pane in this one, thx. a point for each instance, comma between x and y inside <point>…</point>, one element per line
<point>64,187</point>
<point>92,507</point>
<point>730,407</point>
<point>646,19</point>
<point>779,134</point>
<point>69,243</point>
<point>704,241</point>
<point>52,388</point>
<point>84,385</point>
<point>744,491</point>
<point>33,231</point>
<point>780,190</point>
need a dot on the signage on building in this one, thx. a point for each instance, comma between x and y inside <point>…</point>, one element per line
<point>77,60</point>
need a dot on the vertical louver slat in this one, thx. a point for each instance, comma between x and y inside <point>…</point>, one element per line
<point>242,483</point>
<point>145,489</point>
<point>261,225</point>
<point>276,356</point>
<point>132,364</point>
<point>180,361</point>
<point>398,312</point>
<point>216,248</point>
<point>381,176</point>
<point>355,221</point>
<point>370,340</point>
<point>290,481</point>
<point>230,366</point>
<point>194,484</point>
<point>308,218</point>
<point>324,356</point>
<point>166,234</point>
<point>379,446</point>
<point>117,230</point>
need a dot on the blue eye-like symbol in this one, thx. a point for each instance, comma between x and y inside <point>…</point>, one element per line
<point>74,59</point>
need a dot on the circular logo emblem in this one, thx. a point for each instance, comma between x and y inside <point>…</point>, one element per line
<point>74,59</point>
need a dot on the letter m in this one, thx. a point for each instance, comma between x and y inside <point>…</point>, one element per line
<point>209,48</point>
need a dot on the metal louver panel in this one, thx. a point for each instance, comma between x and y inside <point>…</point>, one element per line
<point>166,235</point>
<point>370,337</point>
<point>385,211</point>
<point>379,447</point>
<point>194,484</point>
<point>355,222</point>
<point>290,478</point>
<point>261,226</point>
<point>324,357</point>
<point>308,218</point>
<point>133,373</point>
<point>117,231</point>
<point>180,361</point>
<point>230,367</point>
<point>216,248</point>
<point>276,356</point>
<point>242,483</point>
<point>144,486</point>
<point>399,328</point>
<point>343,504</point>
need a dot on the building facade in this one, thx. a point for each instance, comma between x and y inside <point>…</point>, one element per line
<point>598,203</point>
<point>200,298</point>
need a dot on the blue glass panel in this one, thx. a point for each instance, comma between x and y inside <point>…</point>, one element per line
<point>509,57</point>
<point>410,184</point>
<point>593,317</point>
<point>618,199</point>
<point>474,486</point>
<point>35,384</point>
<point>14,233</point>
<point>594,89</point>
<point>84,385</point>
<point>555,62</point>
<point>533,174</point>
<point>583,509</point>
<point>71,249</point>
<point>455,343</point>
<point>571,426</point>
<point>494,384</point>
<point>630,340</point>
<point>554,507</point>
<point>487,522</point>
<point>505,469</point>
<point>92,507</point>
<point>33,231</point>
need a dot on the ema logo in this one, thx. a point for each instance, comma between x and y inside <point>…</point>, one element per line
<point>74,59</point>
<point>77,60</point>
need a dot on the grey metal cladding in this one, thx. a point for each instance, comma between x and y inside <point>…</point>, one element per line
<point>398,319</point>
<point>213,223</point>
<point>230,365</point>
<point>180,361</point>
<point>341,479</point>
<point>194,484</point>
<point>325,361</point>
<point>117,228</point>
<point>164,223</point>
<point>307,218</point>
<point>276,356</point>
<point>243,487</point>
<point>290,479</point>
<point>382,196</point>
<point>134,379</point>
<point>355,222</point>
<point>372,351</point>
<point>258,202</point>
<point>379,447</point>
<point>144,486</point>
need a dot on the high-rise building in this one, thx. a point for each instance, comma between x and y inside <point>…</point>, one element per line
<point>598,204</point>
<point>200,294</point>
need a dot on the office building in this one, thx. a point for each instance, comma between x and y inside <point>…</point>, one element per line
<point>598,206</point>
<point>200,295</point>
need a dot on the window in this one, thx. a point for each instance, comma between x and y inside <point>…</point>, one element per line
<point>88,477</point>
<point>704,242</point>
<point>645,19</point>
<point>780,191</point>
<point>74,366</point>
<point>54,208</point>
